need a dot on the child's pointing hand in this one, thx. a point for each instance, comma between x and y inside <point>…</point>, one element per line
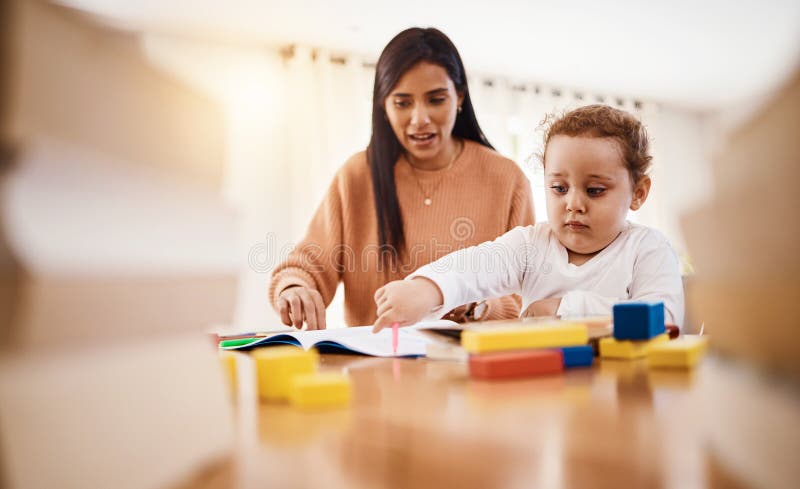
<point>405,302</point>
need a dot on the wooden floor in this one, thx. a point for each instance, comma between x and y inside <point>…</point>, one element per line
<point>422,423</point>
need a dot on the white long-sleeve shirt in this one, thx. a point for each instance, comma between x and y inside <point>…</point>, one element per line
<point>639,265</point>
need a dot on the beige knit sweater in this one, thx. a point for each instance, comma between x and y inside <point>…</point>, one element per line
<point>481,196</point>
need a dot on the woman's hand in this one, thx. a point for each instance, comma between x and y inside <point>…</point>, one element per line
<point>298,304</point>
<point>543,307</point>
<point>405,302</point>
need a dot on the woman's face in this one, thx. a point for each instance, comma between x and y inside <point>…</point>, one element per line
<point>422,109</point>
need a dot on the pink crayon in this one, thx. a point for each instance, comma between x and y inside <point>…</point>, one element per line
<point>395,328</point>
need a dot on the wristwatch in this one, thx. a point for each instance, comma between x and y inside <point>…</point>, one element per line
<point>477,311</point>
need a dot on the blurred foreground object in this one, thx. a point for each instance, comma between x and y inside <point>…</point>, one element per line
<point>745,240</point>
<point>116,253</point>
<point>745,245</point>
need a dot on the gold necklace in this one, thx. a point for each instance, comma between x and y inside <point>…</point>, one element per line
<point>428,196</point>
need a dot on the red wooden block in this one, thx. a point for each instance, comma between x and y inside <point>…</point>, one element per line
<point>507,365</point>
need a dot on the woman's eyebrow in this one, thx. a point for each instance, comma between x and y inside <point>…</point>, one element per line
<point>435,91</point>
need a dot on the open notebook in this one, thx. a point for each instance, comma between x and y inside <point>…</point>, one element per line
<point>358,340</point>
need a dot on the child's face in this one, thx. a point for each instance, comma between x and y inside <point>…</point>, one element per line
<point>589,192</point>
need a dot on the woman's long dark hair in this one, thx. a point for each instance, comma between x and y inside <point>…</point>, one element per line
<point>403,52</point>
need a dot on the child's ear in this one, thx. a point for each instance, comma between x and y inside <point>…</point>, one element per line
<point>640,191</point>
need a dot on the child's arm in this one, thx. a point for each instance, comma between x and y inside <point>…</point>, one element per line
<point>492,269</point>
<point>656,278</point>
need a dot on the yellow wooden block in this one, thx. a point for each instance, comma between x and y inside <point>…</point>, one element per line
<point>629,349</point>
<point>683,352</point>
<point>228,361</point>
<point>276,366</point>
<point>319,390</point>
<point>542,335</point>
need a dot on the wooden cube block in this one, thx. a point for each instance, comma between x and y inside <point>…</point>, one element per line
<point>684,352</point>
<point>507,365</point>
<point>319,390</point>
<point>638,320</point>
<point>578,356</point>
<point>550,335</point>
<point>276,366</point>
<point>627,349</point>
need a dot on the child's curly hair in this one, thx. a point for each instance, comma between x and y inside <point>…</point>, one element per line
<point>602,121</point>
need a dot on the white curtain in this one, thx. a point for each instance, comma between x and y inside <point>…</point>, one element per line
<point>295,115</point>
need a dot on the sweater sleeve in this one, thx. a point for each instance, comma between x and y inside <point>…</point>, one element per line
<point>521,214</point>
<point>656,278</point>
<point>316,261</point>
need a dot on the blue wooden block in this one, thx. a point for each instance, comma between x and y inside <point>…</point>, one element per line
<point>638,320</point>
<point>578,356</point>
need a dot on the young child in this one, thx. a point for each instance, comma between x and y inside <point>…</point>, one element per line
<point>586,258</point>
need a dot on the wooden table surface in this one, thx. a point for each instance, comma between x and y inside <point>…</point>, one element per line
<point>424,423</point>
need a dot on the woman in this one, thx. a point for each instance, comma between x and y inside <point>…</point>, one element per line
<point>428,184</point>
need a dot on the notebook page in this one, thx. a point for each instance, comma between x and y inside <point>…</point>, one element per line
<point>361,339</point>
<point>308,339</point>
<point>380,344</point>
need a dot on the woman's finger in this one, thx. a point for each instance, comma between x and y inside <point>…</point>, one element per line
<point>319,305</point>
<point>309,309</point>
<point>296,311</point>
<point>283,309</point>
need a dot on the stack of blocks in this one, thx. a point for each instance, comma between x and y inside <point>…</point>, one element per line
<point>639,332</point>
<point>287,373</point>
<point>513,352</point>
<point>637,327</point>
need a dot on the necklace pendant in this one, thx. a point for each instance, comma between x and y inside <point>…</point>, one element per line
<point>427,201</point>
